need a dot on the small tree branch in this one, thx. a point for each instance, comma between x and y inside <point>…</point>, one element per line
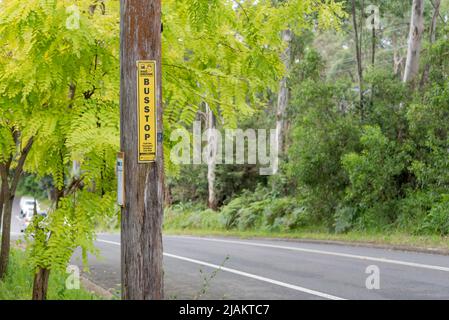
<point>74,185</point>
<point>21,163</point>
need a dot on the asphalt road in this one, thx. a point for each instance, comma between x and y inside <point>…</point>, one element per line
<point>263,269</point>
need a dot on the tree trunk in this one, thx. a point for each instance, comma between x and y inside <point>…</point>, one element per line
<point>168,198</point>
<point>212,146</point>
<point>414,41</point>
<point>2,201</point>
<point>374,44</point>
<point>398,60</point>
<point>433,35</point>
<point>40,284</point>
<point>141,240</point>
<point>358,55</point>
<point>436,14</point>
<point>283,98</point>
<point>6,233</point>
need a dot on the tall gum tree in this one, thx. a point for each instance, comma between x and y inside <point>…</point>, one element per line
<point>432,37</point>
<point>283,97</point>
<point>414,41</point>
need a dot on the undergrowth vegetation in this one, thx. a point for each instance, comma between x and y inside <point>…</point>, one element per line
<point>18,283</point>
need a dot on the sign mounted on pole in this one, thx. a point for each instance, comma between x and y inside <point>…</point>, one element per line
<point>121,179</point>
<point>146,111</point>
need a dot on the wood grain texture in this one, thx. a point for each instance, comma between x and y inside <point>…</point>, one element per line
<point>40,285</point>
<point>141,250</point>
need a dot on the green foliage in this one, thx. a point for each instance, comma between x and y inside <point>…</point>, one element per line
<point>53,240</point>
<point>387,168</point>
<point>32,185</point>
<point>247,211</point>
<point>372,173</point>
<point>324,131</point>
<point>190,216</point>
<point>414,209</point>
<point>227,54</point>
<point>372,193</point>
<point>61,86</point>
<point>258,210</point>
<point>387,103</point>
<point>437,221</point>
<point>381,170</point>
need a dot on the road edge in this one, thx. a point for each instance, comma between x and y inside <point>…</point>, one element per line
<point>404,248</point>
<point>92,287</point>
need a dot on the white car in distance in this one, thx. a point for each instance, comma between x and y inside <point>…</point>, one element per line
<point>27,211</point>
<point>27,206</point>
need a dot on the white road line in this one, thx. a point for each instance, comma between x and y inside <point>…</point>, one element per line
<point>256,277</point>
<point>245,274</point>
<point>344,255</point>
<point>109,242</point>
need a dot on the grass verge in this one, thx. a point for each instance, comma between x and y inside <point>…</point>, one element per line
<point>393,239</point>
<point>18,284</point>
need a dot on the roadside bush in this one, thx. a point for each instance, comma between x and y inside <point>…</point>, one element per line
<point>413,210</point>
<point>250,217</point>
<point>437,221</point>
<point>345,218</point>
<point>323,132</point>
<point>192,216</point>
<point>231,211</point>
<point>276,212</point>
<point>372,190</point>
<point>270,214</point>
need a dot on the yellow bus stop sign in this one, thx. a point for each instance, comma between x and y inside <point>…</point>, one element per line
<point>146,111</point>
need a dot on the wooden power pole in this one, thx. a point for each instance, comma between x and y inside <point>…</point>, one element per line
<point>141,144</point>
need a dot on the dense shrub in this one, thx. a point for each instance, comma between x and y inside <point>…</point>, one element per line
<point>192,216</point>
<point>372,174</point>
<point>258,210</point>
<point>437,221</point>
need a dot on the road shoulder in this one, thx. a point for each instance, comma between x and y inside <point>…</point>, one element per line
<point>419,245</point>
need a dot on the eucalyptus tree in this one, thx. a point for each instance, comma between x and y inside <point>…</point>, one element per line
<point>414,41</point>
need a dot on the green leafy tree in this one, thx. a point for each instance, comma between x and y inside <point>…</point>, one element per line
<point>53,68</point>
